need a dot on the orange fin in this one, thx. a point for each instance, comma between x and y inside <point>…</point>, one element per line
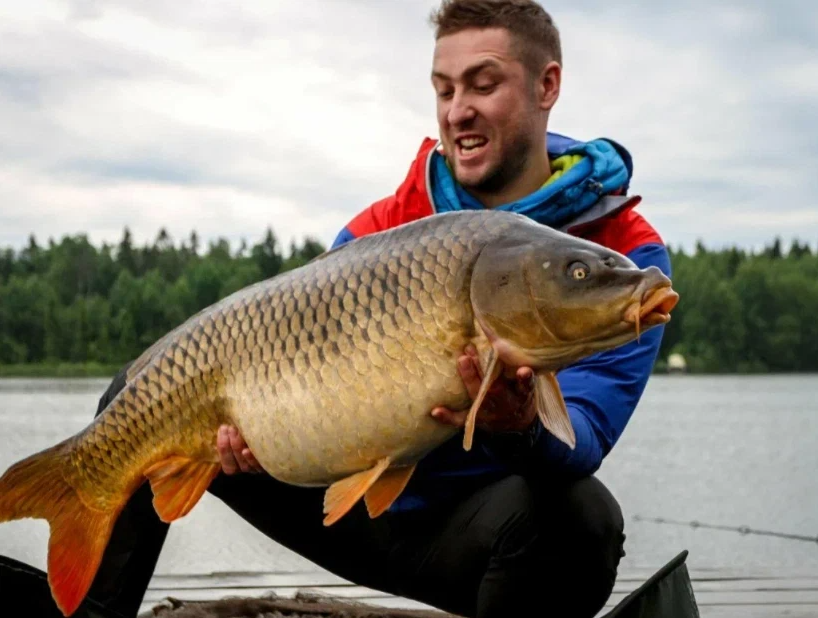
<point>551,408</point>
<point>342,495</point>
<point>35,487</point>
<point>178,483</point>
<point>493,369</point>
<point>386,489</point>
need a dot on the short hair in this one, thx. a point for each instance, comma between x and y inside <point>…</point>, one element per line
<point>534,33</point>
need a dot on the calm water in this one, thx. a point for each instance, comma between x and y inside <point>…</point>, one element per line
<point>726,450</point>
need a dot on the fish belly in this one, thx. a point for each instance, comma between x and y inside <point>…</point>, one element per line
<point>315,437</point>
<point>358,354</point>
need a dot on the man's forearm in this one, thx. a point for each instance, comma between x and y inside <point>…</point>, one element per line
<point>584,459</point>
<point>536,450</point>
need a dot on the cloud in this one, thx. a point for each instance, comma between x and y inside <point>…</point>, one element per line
<point>229,118</point>
<point>714,106</point>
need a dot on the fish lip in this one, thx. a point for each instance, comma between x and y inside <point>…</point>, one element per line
<point>654,306</point>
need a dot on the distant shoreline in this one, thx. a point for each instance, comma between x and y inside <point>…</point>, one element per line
<point>59,370</point>
<point>100,370</point>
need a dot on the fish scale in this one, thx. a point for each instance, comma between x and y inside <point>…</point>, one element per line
<point>319,336</point>
<point>330,372</point>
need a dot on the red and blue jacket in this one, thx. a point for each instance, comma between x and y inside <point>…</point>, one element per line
<point>588,199</point>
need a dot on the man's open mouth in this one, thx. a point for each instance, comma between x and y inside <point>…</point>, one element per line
<point>471,145</point>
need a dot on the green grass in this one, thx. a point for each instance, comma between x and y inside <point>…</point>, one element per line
<point>58,370</point>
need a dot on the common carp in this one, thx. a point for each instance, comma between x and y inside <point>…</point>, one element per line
<point>330,372</point>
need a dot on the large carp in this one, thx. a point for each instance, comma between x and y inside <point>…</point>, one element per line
<point>330,372</point>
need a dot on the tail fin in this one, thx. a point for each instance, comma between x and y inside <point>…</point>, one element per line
<point>36,487</point>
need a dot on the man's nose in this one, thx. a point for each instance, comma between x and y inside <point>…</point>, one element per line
<point>460,110</point>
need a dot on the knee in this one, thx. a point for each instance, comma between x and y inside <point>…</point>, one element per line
<point>583,545</point>
<point>507,522</point>
<point>596,518</point>
<point>595,538</point>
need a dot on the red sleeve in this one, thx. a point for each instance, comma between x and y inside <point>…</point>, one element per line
<point>409,203</point>
<point>623,232</point>
<point>373,219</point>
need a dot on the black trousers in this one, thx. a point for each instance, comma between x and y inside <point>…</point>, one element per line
<point>517,547</point>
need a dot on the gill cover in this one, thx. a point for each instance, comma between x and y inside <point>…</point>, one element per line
<point>506,310</point>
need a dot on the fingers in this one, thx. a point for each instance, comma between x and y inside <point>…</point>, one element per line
<point>525,379</point>
<point>525,373</point>
<point>506,401</point>
<point>251,460</point>
<point>238,445</point>
<point>228,460</point>
<point>469,368</point>
<point>448,417</point>
<point>233,452</point>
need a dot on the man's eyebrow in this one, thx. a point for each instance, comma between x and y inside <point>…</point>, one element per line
<point>471,71</point>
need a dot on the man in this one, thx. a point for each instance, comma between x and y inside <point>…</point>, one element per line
<point>518,526</point>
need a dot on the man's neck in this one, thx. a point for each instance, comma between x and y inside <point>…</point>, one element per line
<point>534,176</point>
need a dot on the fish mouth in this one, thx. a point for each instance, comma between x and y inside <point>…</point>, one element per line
<point>653,308</point>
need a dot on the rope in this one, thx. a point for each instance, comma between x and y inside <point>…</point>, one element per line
<point>743,530</point>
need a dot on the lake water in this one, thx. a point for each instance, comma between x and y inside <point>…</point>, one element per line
<point>736,451</point>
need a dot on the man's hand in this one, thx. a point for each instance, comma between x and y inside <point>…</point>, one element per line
<point>508,405</point>
<point>233,452</point>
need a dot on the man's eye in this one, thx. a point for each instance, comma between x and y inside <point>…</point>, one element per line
<point>445,94</point>
<point>484,88</point>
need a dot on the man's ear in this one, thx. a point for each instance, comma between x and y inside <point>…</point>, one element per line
<point>548,85</point>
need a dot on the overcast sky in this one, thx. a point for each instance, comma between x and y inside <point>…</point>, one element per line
<point>227,117</point>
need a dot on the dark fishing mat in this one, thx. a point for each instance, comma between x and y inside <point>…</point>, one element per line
<point>301,606</point>
<point>667,594</point>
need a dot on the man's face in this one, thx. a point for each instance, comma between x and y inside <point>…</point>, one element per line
<point>487,111</point>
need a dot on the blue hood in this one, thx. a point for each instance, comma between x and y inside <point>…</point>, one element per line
<point>605,167</point>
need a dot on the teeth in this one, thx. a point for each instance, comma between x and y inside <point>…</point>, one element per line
<point>471,142</point>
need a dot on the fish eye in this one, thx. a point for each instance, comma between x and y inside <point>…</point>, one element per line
<point>579,271</point>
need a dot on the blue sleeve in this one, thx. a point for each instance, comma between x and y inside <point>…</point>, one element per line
<point>344,236</point>
<point>602,391</point>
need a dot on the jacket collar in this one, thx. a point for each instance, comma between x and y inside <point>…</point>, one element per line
<point>589,190</point>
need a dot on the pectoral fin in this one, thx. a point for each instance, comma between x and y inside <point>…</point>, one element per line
<point>386,489</point>
<point>342,495</point>
<point>493,370</point>
<point>178,483</point>
<point>551,408</point>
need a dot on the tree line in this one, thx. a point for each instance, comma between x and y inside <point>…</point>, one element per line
<point>746,312</point>
<point>71,301</point>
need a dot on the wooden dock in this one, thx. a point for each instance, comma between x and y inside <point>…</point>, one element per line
<point>719,593</point>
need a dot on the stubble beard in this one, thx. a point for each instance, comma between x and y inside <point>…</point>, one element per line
<point>508,169</point>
